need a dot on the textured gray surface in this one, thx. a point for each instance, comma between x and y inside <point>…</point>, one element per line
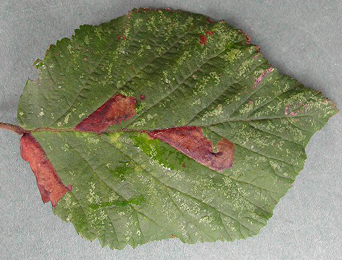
<point>301,39</point>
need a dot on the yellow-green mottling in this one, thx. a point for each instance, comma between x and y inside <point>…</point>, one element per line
<point>130,189</point>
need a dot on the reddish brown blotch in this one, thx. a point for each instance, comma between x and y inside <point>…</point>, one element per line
<point>191,141</point>
<point>49,184</point>
<point>117,109</point>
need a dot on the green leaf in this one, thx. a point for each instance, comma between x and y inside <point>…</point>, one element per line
<point>183,70</point>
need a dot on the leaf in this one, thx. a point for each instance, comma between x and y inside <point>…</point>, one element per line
<point>163,124</point>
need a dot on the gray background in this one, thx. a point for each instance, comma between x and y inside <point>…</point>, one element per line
<point>301,38</point>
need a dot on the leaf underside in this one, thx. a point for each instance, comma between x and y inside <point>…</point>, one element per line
<point>182,69</point>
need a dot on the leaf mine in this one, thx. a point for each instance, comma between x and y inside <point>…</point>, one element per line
<point>191,141</point>
<point>49,184</point>
<point>117,109</point>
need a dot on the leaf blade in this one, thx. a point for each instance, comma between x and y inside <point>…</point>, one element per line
<point>182,71</point>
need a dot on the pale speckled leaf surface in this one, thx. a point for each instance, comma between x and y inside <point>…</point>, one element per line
<point>130,189</point>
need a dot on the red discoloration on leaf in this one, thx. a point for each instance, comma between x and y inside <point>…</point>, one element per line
<point>121,37</point>
<point>260,78</point>
<point>183,165</point>
<point>191,141</point>
<point>117,109</point>
<point>248,39</point>
<point>292,113</point>
<point>257,48</point>
<point>129,14</point>
<point>142,97</point>
<point>209,20</point>
<point>202,39</point>
<point>256,56</point>
<point>49,184</point>
<point>209,32</point>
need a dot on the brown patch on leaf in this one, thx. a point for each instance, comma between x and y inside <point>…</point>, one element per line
<point>117,109</point>
<point>49,184</point>
<point>191,141</point>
